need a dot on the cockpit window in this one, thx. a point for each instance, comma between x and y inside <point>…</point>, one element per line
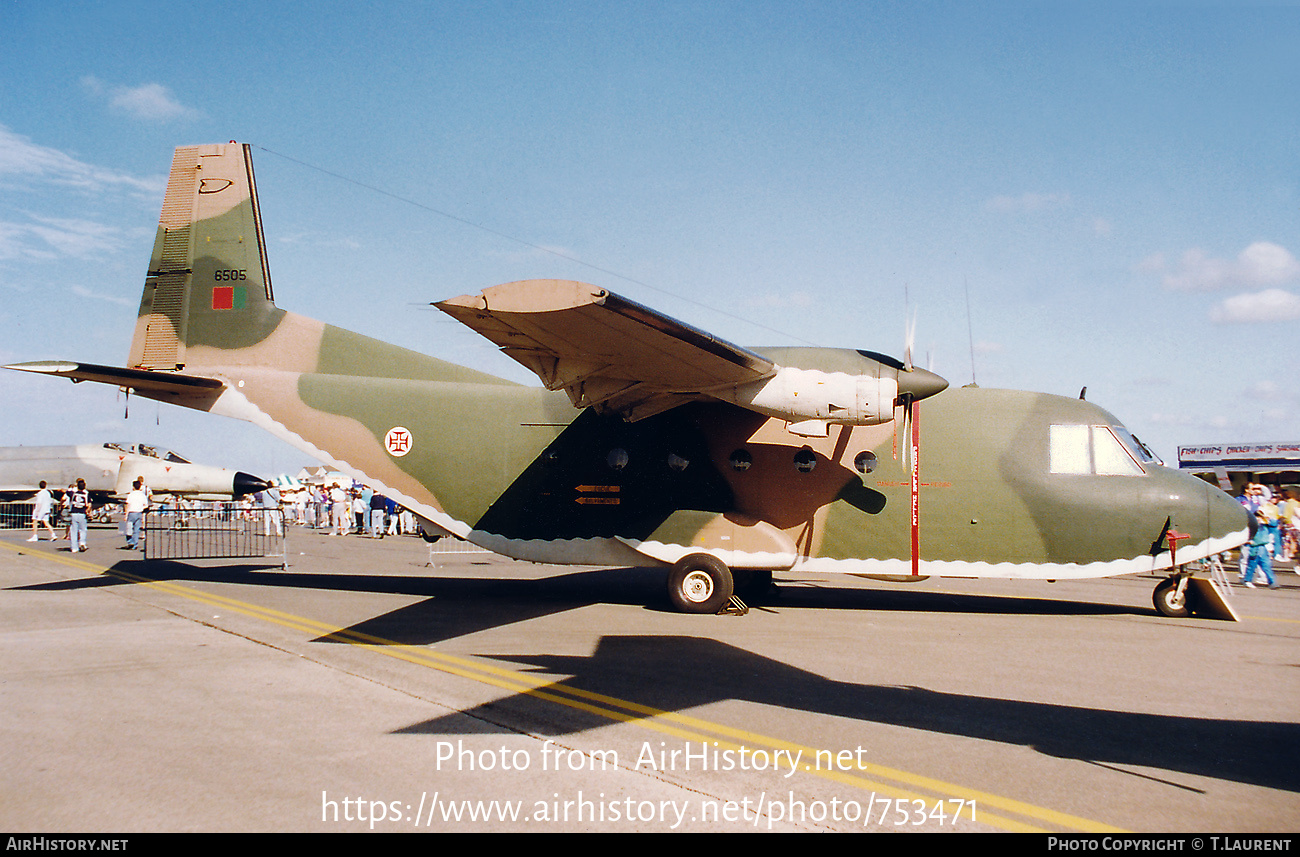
<point>1139,449</point>
<point>1091,450</point>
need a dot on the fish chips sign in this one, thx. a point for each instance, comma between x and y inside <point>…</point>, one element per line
<point>1241,456</point>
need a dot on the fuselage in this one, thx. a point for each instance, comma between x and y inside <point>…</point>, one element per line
<point>109,469</point>
<point>1013,484</point>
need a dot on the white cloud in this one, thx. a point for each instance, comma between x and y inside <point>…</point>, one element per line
<point>1028,202</point>
<point>80,238</point>
<point>1268,305</point>
<point>15,243</point>
<point>1153,264</point>
<point>319,239</point>
<point>150,101</point>
<point>83,292</point>
<point>1273,391</point>
<point>21,158</point>
<point>46,238</point>
<point>1261,264</point>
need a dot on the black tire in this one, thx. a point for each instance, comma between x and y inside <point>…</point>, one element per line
<point>700,583</point>
<point>1167,601</point>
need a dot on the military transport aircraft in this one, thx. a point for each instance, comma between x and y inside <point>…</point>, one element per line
<point>667,446</point>
<point>110,468</point>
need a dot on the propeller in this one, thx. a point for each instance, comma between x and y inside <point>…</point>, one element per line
<point>909,339</point>
<point>913,385</point>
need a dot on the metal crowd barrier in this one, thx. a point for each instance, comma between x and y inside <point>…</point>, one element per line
<point>15,516</point>
<point>214,531</point>
<point>450,546</point>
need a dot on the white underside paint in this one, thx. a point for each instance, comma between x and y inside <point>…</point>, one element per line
<point>947,568</point>
<point>234,404</point>
<point>619,551</point>
<point>1027,570</point>
<point>597,551</point>
<point>670,553</point>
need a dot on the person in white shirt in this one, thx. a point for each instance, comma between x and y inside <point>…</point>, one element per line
<point>42,505</point>
<point>268,502</point>
<point>136,502</point>
<point>339,509</point>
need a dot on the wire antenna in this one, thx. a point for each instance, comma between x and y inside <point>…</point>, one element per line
<point>538,247</point>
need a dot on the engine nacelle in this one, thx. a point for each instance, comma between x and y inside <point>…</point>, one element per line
<point>797,395</point>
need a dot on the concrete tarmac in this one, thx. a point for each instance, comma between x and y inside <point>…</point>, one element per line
<point>374,685</point>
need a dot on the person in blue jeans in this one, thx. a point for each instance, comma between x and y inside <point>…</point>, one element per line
<point>1260,558</point>
<point>136,503</point>
<point>78,501</point>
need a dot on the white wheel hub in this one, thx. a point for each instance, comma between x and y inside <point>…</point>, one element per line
<point>697,587</point>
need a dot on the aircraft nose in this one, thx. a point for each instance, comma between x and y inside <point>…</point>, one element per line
<point>919,383</point>
<point>1224,514</point>
<point>246,483</point>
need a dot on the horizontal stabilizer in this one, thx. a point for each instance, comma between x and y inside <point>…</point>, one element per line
<point>153,385</point>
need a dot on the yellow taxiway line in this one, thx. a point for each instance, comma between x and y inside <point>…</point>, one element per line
<point>891,784</point>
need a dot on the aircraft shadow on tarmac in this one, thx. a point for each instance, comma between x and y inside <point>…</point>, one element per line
<point>1247,751</point>
<point>459,606</point>
<point>663,672</point>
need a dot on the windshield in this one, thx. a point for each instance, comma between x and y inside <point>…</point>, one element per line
<point>1139,449</point>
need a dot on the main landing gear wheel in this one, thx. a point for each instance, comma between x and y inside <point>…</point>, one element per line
<point>700,583</point>
<point>1171,599</point>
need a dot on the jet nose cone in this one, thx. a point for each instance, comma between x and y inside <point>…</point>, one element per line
<point>919,383</point>
<point>246,483</point>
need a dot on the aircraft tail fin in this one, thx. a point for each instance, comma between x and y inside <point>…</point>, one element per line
<point>208,281</point>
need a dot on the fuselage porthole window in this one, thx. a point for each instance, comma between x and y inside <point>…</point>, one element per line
<point>741,460</point>
<point>617,458</point>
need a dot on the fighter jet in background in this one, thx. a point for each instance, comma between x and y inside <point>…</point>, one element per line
<point>110,468</point>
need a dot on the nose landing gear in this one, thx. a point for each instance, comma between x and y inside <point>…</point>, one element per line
<point>1183,594</point>
<point>1170,596</point>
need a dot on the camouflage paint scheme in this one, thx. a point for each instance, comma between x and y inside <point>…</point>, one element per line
<point>521,471</point>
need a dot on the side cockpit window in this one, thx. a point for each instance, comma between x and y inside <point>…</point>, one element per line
<point>1090,450</point>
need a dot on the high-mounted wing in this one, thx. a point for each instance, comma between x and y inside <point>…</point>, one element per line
<point>614,355</point>
<point>605,351</point>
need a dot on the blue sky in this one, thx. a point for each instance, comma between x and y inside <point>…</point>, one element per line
<point>1117,186</point>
